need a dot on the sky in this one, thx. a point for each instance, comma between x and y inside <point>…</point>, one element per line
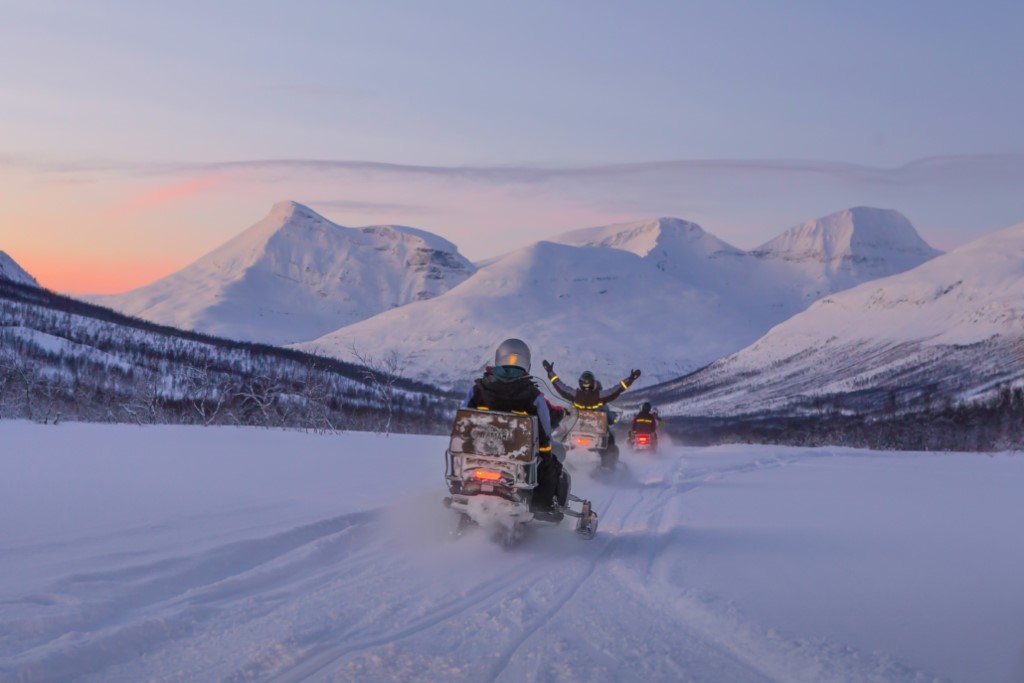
<point>136,137</point>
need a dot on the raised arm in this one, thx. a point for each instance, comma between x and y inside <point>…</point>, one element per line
<point>563,389</point>
<point>609,395</point>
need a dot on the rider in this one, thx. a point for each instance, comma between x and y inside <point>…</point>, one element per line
<point>507,386</point>
<point>590,395</point>
<point>646,421</point>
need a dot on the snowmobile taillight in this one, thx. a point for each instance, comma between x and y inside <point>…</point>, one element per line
<point>583,441</point>
<point>487,475</point>
<point>643,438</point>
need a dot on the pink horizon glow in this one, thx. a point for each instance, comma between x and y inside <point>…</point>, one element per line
<point>107,276</point>
<point>167,194</point>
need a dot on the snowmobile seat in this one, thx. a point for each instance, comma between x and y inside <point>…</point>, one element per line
<point>490,433</point>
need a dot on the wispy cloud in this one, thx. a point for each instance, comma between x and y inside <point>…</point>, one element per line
<point>920,170</point>
<point>930,169</point>
<point>167,194</point>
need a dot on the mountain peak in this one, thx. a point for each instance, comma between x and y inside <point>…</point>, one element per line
<point>295,275</point>
<point>287,209</point>
<point>851,246</point>
<point>10,270</point>
<point>854,230</point>
<point>647,236</point>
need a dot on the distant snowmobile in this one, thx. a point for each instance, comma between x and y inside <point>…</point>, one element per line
<point>492,471</point>
<point>593,417</point>
<point>643,441</point>
<point>643,433</point>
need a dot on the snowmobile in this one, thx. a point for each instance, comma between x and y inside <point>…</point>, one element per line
<point>589,431</point>
<point>643,436</point>
<point>492,471</point>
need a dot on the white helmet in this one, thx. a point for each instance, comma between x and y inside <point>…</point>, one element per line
<point>513,352</point>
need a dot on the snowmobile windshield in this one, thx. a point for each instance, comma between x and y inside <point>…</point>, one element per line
<point>508,373</point>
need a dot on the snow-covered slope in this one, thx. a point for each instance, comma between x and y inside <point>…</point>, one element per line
<point>294,276</point>
<point>956,322</point>
<point>584,308</point>
<point>662,295</point>
<point>71,360</point>
<point>9,270</point>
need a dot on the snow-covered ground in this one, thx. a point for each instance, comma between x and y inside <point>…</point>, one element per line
<point>225,554</point>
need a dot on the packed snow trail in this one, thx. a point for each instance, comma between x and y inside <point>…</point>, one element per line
<point>381,591</point>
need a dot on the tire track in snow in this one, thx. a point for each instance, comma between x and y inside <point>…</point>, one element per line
<point>517,578</point>
<point>719,630</point>
<point>165,603</point>
<point>609,545</point>
<point>319,659</point>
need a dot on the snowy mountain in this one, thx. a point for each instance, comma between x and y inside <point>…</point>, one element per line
<point>662,295</point>
<point>9,270</point>
<point>606,310</point>
<point>950,330</point>
<point>847,248</point>
<point>295,276</point>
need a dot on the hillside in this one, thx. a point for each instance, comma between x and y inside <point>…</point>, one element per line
<point>948,333</point>
<point>63,359</point>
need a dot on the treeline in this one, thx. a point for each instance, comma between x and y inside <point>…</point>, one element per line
<point>995,423</point>
<point>62,359</point>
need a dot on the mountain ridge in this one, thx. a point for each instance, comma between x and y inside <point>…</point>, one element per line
<point>661,294</point>
<point>953,327</point>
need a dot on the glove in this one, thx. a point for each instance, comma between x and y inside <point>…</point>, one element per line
<point>632,378</point>
<point>549,366</point>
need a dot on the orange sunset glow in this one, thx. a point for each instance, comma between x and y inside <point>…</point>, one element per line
<point>99,276</point>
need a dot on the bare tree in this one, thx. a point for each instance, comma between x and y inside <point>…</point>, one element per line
<point>257,396</point>
<point>203,393</point>
<point>27,376</point>
<point>383,373</point>
<point>143,406</point>
<point>318,394</point>
<point>6,381</point>
<point>51,391</point>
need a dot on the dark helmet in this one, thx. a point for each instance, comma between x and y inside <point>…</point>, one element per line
<point>646,407</point>
<point>513,352</point>
<point>587,381</point>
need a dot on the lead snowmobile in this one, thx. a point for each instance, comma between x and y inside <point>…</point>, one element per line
<point>491,472</point>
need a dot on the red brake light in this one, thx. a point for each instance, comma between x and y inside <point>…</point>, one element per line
<point>582,441</point>
<point>643,438</point>
<point>487,475</point>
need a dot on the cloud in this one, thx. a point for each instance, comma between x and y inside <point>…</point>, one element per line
<point>920,170</point>
<point>167,194</point>
<point>950,167</point>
